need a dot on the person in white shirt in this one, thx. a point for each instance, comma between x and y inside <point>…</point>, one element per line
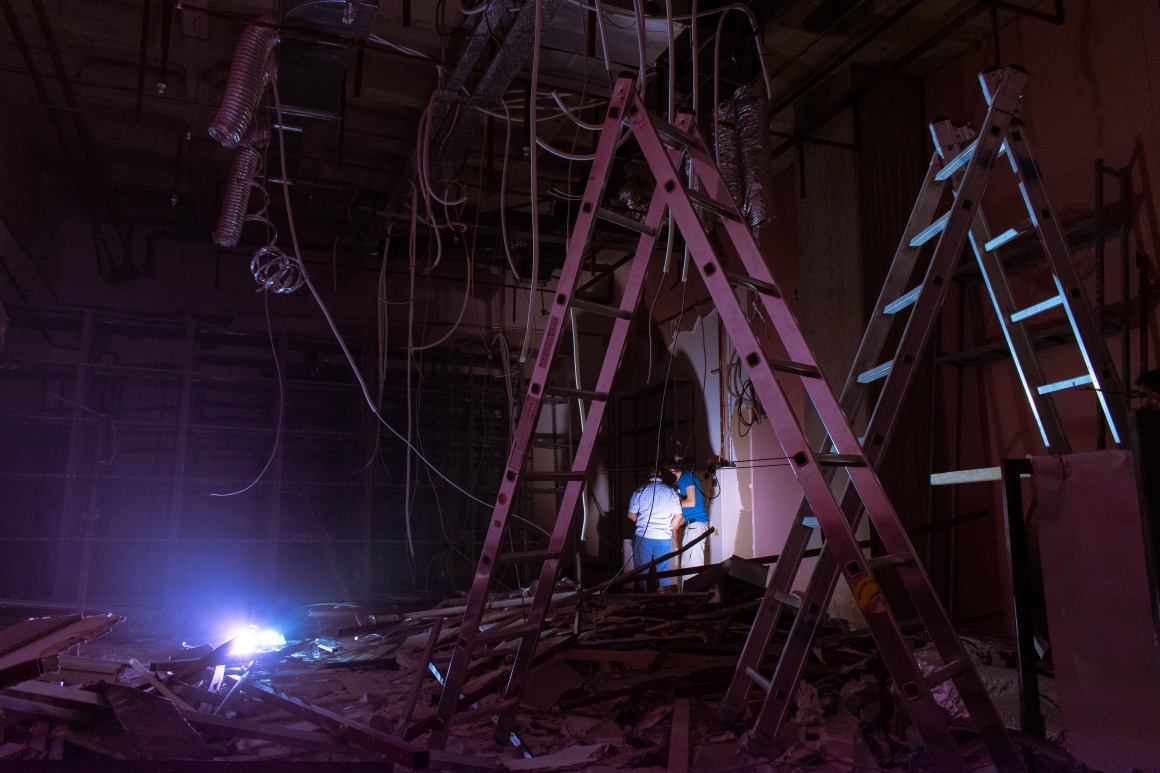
<point>655,508</point>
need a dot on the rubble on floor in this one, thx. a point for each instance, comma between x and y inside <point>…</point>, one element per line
<point>622,682</point>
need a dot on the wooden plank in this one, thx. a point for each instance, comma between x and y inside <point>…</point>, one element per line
<point>679,738</point>
<point>955,477</point>
<point>298,739</point>
<point>394,749</point>
<point>44,638</point>
<point>154,725</point>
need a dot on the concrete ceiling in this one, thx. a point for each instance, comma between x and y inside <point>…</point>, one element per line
<point>115,95</point>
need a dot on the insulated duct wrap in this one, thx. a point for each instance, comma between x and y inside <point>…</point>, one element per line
<point>251,70</point>
<point>236,202</point>
<point>635,194</point>
<point>755,149</point>
<point>726,150</point>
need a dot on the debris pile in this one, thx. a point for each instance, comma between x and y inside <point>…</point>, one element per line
<point>621,681</point>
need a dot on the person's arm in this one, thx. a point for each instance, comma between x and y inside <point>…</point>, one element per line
<point>633,516</point>
<point>676,521</point>
<point>689,498</point>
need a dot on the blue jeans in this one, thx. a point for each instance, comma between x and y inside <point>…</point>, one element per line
<point>646,550</point>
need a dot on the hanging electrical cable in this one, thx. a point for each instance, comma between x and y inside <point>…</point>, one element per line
<point>330,319</point>
<point>533,280</point>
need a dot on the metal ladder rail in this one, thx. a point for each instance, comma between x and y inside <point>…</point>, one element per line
<point>926,304</point>
<point>853,395</point>
<point>469,634</point>
<point>881,424</point>
<point>1019,343</point>
<point>529,637</point>
<point>1103,375</point>
<point>892,644</point>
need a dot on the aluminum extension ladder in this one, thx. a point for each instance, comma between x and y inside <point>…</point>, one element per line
<point>664,146</point>
<point>966,171</point>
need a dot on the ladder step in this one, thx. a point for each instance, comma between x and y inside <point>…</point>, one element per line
<point>883,562</point>
<point>796,368</point>
<point>506,633</point>
<point>931,231</point>
<point>674,137</point>
<point>958,162</point>
<point>1042,306</point>
<point>562,477</point>
<point>526,556</point>
<point>493,710</point>
<point>1065,384</point>
<point>1010,234</point>
<point>788,599</point>
<point>600,308</point>
<point>576,394</point>
<point>712,205</point>
<point>902,301</point>
<point>756,285</point>
<point>875,373</point>
<point>841,460</point>
<point>757,678</point>
<point>625,222</point>
<point>949,671</point>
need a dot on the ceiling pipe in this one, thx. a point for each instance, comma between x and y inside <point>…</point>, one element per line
<point>904,60</point>
<point>99,199</point>
<point>1056,18</point>
<point>844,57</point>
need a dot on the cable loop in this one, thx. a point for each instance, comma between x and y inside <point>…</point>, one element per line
<point>275,271</point>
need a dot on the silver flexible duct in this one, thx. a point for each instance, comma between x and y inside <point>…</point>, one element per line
<point>756,151</point>
<point>236,202</point>
<point>251,70</point>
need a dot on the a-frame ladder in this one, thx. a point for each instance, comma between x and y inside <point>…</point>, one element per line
<point>966,171</point>
<point>663,146</point>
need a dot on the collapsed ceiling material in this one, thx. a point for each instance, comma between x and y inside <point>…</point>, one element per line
<point>355,683</point>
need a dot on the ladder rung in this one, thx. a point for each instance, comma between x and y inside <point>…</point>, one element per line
<point>1010,234</point>
<point>949,671</point>
<point>875,373</point>
<point>526,555</point>
<point>484,711</point>
<point>902,301</point>
<point>674,137</point>
<point>883,562</point>
<point>567,475</point>
<point>788,599</point>
<point>1042,306</point>
<point>841,460</point>
<point>573,393</point>
<point>600,308</point>
<point>1065,384</point>
<point>756,285</point>
<point>931,231</point>
<point>958,162</point>
<point>796,368</point>
<point>757,678</point>
<point>506,633</point>
<point>712,205</point>
<point>625,222</point>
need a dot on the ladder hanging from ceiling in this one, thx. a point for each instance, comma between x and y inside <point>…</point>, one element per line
<point>664,147</point>
<point>966,171</point>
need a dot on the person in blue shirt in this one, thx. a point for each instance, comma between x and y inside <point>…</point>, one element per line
<point>694,513</point>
